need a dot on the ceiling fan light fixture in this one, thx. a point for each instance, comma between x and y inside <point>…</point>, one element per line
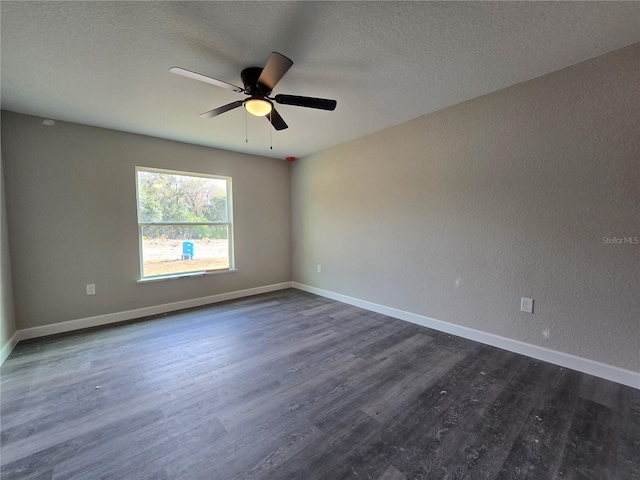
<point>258,106</point>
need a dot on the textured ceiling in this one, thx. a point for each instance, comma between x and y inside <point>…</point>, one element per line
<point>107,63</point>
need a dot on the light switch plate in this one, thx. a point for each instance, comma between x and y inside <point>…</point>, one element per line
<point>526,305</point>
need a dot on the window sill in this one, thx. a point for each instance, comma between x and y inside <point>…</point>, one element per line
<point>177,276</point>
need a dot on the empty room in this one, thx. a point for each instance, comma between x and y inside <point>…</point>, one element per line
<point>320,240</point>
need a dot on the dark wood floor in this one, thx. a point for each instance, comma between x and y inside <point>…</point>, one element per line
<point>289,385</point>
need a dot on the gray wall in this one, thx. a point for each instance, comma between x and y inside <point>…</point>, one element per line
<point>71,205</point>
<point>511,193</point>
<point>7,312</point>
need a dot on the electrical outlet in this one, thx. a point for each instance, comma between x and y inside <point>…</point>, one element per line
<point>91,288</point>
<point>526,305</point>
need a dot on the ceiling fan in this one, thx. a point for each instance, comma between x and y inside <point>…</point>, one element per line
<point>258,84</point>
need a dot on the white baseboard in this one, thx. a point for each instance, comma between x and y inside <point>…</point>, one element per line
<point>8,347</point>
<point>68,326</point>
<point>591,367</point>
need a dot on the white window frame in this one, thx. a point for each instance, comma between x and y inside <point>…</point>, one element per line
<point>229,224</point>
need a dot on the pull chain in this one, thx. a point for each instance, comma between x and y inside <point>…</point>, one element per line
<point>246,135</point>
<point>271,130</point>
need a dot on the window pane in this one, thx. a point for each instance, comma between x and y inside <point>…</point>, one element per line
<point>165,197</point>
<point>174,249</point>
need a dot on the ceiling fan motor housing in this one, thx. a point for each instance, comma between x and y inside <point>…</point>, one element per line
<point>250,80</point>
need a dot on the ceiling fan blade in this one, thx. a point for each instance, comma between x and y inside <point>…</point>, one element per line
<point>276,120</point>
<point>225,108</point>
<point>310,102</point>
<point>204,78</point>
<point>275,68</point>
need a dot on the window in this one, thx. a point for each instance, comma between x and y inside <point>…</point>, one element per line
<point>185,224</point>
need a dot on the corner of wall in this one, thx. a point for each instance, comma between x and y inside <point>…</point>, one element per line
<point>8,338</point>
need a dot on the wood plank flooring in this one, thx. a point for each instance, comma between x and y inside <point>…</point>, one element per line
<point>289,385</point>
